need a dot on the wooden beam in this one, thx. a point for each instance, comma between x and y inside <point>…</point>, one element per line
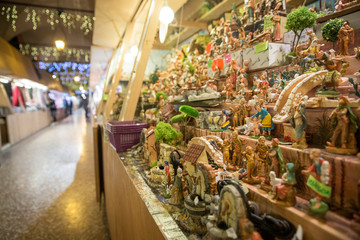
<point>137,75</point>
<point>191,24</point>
<point>116,77</point>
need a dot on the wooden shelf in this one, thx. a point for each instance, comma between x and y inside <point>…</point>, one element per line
<point>330,227</point>
<point>213,13</point>
<point>338,14</point>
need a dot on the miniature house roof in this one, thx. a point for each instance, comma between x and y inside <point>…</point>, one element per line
<point>168,109</point>
<point>193,153</point>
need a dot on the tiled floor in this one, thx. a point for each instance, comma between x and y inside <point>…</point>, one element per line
<point>47,185</point>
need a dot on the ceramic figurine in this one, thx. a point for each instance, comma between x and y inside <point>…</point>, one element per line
<point>267,124</point>
<point>319,173</point>
<point>177,195</point>
<point>276,158</point>
<point>299,122</point>
<point>345,123</point>
<point>256,128</point>
<point>284,193</point>
<point>234,69</point>
<point>262,151</point>
<point>258,12</point>
<point>226,151</point>
<point>243,112</point>
<point>229,90</point>
<point>345,36</point>
<point>263,86</point>
<point>331,78</point>
<point>250,165</point>
<point>237,146</point>
<point>236,116</point>
<point>250,11</point>
<point>167,173</point>
<point>277,29</point>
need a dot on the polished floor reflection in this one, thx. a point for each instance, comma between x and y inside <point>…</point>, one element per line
<point>47,185</point>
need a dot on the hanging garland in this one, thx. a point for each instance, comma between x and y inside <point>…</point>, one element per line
<point>50,16</point>
<point>49,53</point>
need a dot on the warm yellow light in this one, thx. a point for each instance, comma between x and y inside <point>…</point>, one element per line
<point>76,78</point>
<point>166,15</point>
<point>81,88</point>
<point>163,31</point>
<point>60,44</point>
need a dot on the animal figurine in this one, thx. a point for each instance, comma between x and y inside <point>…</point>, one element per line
<point>274,180</point>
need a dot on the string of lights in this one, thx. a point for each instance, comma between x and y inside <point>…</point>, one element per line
<point>52,17</point>
<point>50,53</point>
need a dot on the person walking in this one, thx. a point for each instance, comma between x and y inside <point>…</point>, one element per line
<point>86,107</point>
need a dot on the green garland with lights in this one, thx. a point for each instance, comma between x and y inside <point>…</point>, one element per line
<point>48,53</point>
<point>53,17</point>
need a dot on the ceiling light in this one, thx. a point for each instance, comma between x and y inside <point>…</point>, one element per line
<point>134,50</point>
<point>163,31</point>
<point>127,57</point>
<point>54,76</point>
<point>166,14</point>
<point>81,88</point>
<point>60,44</point>
<point>77,79</point>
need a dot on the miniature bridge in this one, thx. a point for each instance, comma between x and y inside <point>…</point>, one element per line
<point>297,88</point>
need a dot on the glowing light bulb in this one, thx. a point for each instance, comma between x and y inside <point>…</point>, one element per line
<point>60,44</point>
<point>166,15</point>
<point>76,78</point>
<point>134,50</point>
<point>127,57</point>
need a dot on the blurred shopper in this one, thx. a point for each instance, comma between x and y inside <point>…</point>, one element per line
<point>86,107</point>
<point>52,107</point>
<point>70,106</point>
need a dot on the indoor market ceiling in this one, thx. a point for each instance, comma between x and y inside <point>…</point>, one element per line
<point>32,26</point>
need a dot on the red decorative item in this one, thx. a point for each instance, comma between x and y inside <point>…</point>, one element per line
<point>208,47</point>
<point>219,63</point>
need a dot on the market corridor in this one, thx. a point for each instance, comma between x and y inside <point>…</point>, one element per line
<point>47,185</point>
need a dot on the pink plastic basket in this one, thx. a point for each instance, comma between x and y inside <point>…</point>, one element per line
<point>123,135</point>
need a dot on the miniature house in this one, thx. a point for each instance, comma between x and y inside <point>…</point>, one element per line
<point>195,153</point>
<point>151,153</point>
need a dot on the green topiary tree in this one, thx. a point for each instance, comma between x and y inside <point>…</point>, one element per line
<point>331,29</point>
<point>187,113</point>
<point>158,94</point>
<point>154,76</point>
<point>298,20</point>
<point>164,132</point>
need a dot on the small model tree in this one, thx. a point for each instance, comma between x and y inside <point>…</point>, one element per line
<point>187,113</point>
<point>298,20</point>
<point>166,133</point>
<point>158,94</point>
<point>331,29</point>
<point>154,76</point>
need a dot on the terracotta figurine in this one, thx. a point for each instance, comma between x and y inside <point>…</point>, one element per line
<point>284,191</point>
<point>262,151</point>
<point>177,195</point>
<point>299,122</point>
<point>345,123</point>
<point>267,123</point>
<point>276,158</point>
<point>237,146</point>
<point>226,151</point>
<point>277,29</point>
<point>345,36</point>
<point>250,165</point>
<point>318,181</point>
